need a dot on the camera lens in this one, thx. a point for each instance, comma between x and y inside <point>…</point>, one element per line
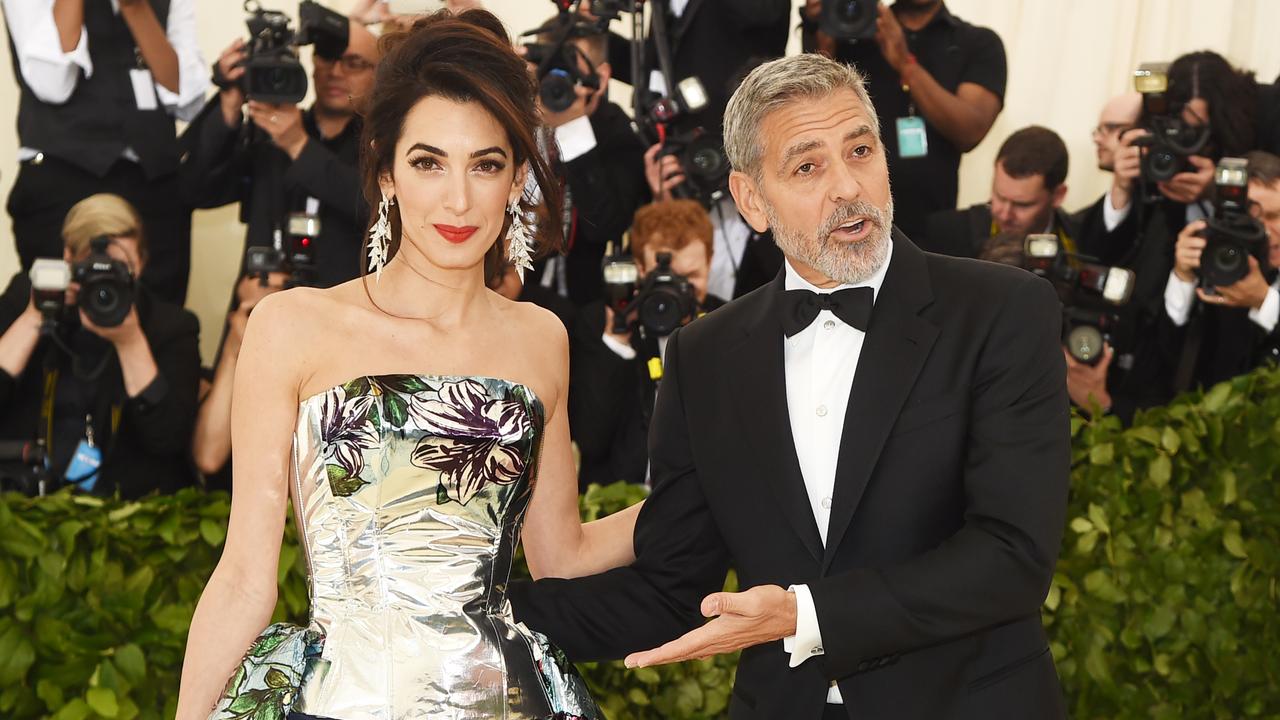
<point>556,91</point>
<point>661,312</point>
<point>707,161</point>
<point>1227,258</point>
<point>1162,164</point>
<point>847,10</point>
<point>1084,342</point>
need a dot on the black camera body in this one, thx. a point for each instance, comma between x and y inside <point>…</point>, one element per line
<point>656,305</point>
<point>1172,139</point>
<point>704,162</point>
<point>1231,235</point>
<point>106,285</point>
<point>273,73</point>
<point>665,300</point>
<point>559,74</point>
<point>849,19</point>
<point>297,257</point>
<point>1090,295</point>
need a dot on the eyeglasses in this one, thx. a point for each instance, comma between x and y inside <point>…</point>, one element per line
<point>1109,129</point>
<point>350,63</point>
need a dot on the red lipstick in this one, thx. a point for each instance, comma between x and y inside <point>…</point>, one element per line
<point>456,235</point>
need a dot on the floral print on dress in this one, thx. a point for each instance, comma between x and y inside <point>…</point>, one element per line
<point>477,442</point>
<point>347,431</point>
<point>266,683</point>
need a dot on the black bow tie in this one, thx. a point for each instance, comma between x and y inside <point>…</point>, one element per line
<point>798,308</point>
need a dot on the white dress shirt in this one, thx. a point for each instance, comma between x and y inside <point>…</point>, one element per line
<point>53,74</point>
<point>730,234</point>
<point>819,365</point>
<point>1180,294</point>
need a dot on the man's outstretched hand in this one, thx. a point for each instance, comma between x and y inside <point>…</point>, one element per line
<point>759,615</point>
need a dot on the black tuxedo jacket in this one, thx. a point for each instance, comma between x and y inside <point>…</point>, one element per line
<point>949,503</point>
<point>962,233</point>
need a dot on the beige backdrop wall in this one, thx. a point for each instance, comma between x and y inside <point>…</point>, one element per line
<point>1065,59</point>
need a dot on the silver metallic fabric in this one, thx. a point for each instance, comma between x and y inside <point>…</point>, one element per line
<point>410,492</point>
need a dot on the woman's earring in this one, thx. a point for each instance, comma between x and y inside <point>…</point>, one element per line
<point>519,240</point>
<point>380,238</point>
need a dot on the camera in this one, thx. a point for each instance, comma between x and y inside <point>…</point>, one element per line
<point>273,73</point>
<point>663,301</point>
<point>705,164</point>
<point>1172,139</point>
<point>558,71</point>
<point>106,285</point>
<point>1090,294</point>
<point>49,281</point>
<point>849,19</point>
<point>1231,235</point>
<point>297,257</point>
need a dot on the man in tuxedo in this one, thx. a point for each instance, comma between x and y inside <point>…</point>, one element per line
<point>877,441</point>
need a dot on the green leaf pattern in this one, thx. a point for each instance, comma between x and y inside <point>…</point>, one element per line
<point>266,683</point>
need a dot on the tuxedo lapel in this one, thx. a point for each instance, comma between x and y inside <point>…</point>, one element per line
<point>681,24</point>
<point>760,396</point>
<point>893,353</point>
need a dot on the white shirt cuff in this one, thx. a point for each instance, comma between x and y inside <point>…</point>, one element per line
<point>807,642</point>
<point>51,73</point>
<point>1112,217</point>
<point>622,350</point>
<point>1178,296</point>
<point>575,138</point>
<point>193,73</point>
<point>1267,314</point>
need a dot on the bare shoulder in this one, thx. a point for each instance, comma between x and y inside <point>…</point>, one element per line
<point>539,339</point>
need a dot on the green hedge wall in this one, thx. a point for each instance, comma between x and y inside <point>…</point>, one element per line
<point>1164,604</point>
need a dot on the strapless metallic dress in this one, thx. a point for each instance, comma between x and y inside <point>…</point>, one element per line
<point>410,491</point>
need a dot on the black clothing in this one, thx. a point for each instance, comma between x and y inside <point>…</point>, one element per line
<point>221,168</point>
<point>760,263</point>
<point>609,401</point>
<point>954,52</point>
<point>962,233</point>
<point>929,587</point>
<point>81,144</point>
<point>145,440</point>
<point>604,186</point>
<point>716,41</point>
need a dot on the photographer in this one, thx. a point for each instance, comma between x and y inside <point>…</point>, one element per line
<point>742,259</point>
<point>99,85</point>
<point>938,83</point>
<point>289,167</point>
<point>1027,190</point>
<point>612,374</point>
<point>211,443</point>
<point>1232,325</point>
<point>715,41</point>
<point>114,401</point>
<point>597,156</point>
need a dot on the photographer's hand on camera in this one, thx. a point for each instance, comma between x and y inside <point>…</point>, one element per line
<point>1087,384</point>
<point>890,38</point>
<point>231,98</point>
<point>1250,292</point>
<point>1188,187</point>
<point>661,173</point>
<point>283,123</point>
<point>1187,250</point>
<point>1128,168</point>
<point>616,341</point>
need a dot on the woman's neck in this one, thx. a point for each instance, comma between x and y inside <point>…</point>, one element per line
<point>412,287</point>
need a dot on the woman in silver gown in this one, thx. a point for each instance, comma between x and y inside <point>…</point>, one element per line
<point>418,420</point>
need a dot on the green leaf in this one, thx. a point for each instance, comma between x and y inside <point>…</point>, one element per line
<point>1232,541</point>
<point>1081,525</point>
<point>213,533</point>
<point>76,709</point>
<point>357,387</point>
<point>276,679</point>
<point>1229,491</point>
<point>131,662</point>
<point>1217,398</point>
<point>50,693</point>
<point>395,409</point>
<point>16,656</point>
<point>1146,434</point>
<point>103,701</point>
<point>1158,623</point>
<point>1160,471</point>
<point>1102,454</point>
<point>407,384</point>
<point>1170,441</point>
<point>1098,517</point>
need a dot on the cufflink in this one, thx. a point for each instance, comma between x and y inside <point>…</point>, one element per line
<point>816,651</point>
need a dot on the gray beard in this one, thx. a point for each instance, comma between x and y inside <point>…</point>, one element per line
<point>849,263</point>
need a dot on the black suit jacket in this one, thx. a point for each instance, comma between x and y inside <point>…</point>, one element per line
<point>949,503</point>
<point>962,233</point>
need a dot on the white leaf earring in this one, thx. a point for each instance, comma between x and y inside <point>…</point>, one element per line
<point>380,238</point>
<point>519,240</point>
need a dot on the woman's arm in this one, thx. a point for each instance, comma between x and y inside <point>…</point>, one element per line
<point>556,542</point>
<point>211,442</point>
<point>238,601</point>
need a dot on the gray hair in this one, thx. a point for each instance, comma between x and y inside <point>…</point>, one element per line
<point>775,84</point>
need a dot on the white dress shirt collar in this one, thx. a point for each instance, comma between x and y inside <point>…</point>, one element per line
<point>794,281</point>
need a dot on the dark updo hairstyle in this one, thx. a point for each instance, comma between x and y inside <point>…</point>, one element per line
<point>465,58</point>
<point>1231,94</point>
